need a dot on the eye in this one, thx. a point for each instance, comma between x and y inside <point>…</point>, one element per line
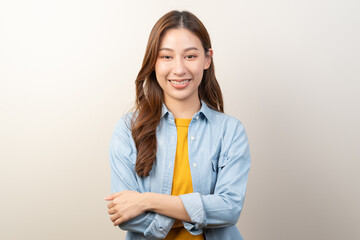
<point>190,56</point>
<point>165,57</point>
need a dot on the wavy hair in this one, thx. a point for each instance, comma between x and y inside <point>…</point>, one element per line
<point>149,95</point>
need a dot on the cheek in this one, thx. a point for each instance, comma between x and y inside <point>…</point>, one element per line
<point>161,69</point>
<point>160,76</point>
<point>197,69</point>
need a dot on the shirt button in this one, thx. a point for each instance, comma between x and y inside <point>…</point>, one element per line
<point>194,165</point>
<point>192,138</point>
<point>197,117</point>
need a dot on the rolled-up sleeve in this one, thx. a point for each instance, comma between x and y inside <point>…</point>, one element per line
<point>223,207</point>
<point>123,177</point>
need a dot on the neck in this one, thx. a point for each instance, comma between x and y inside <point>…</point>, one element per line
<point>183,109</point>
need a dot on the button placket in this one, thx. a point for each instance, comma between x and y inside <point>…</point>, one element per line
<point>170,156</point>
<point>192,156</point>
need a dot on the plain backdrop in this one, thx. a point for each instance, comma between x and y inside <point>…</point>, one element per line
<point>289,70</point>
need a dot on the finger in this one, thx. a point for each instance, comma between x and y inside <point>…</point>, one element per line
<point>112,211</point>
<point>112,196</point>
<point>119,221</point>
<point>114,217</point>
<point>107,198</point>
<point>110,205</point>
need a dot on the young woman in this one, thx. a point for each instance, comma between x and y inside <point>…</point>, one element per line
<point>179,165</point>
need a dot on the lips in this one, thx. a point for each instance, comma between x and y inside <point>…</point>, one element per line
<point>179,83</point>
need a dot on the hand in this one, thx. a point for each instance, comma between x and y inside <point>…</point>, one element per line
<point>125,205</point>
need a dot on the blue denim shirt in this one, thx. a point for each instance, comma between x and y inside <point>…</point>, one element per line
<point>219,163</point>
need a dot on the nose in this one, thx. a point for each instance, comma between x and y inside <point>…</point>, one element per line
<point>179,68</point>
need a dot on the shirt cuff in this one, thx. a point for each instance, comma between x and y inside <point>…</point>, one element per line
<point>159,227</point>
<point>195,209</point>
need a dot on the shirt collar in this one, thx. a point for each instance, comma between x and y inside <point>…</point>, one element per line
<point>164,110</point>
<point>207,112</point>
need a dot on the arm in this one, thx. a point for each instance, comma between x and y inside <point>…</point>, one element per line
<point>126,205</point>
<point>167,205</point>
<point>151,224</point>
<point>220,209</point>
<point>223,207</point>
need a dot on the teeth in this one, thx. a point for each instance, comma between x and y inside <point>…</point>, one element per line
<point>180,83</point>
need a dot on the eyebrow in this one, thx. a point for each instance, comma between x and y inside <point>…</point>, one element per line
<point>169,49</point>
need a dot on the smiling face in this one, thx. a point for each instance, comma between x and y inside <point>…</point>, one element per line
<point>180,66</point>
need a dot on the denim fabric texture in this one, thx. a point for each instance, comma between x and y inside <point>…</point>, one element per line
<point>219,164</point>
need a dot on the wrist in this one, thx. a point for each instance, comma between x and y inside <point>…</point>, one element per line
<point>146,201</point>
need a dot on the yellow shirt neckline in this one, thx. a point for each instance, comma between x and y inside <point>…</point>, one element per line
<point>182,122</point>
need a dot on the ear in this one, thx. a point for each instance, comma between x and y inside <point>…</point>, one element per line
<point>208,58</point>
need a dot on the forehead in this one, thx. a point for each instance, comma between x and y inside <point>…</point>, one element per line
<point>180,38</point>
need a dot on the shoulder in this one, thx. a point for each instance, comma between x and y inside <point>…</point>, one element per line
<point>121,139</point>
<point>231,130</point>
<point>124,124</point>
<point>218,119</point>
<point>226,121</point>
<point>122,129</point>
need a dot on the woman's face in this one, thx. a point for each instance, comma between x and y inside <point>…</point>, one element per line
<point>180,65</point>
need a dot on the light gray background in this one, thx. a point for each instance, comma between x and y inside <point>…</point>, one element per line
<point>289,70</point>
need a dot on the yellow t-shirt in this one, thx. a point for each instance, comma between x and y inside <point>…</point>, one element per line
<point>182,182</point>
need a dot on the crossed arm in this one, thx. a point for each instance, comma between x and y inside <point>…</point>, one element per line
<point>126,205</point>
<point>153,214</point>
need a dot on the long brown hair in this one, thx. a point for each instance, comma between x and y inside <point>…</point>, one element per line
<point>149,95</point>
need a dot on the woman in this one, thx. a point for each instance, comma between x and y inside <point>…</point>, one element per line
<point>179,165</point>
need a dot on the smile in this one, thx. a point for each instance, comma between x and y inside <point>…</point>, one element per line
<point>180,82</point>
